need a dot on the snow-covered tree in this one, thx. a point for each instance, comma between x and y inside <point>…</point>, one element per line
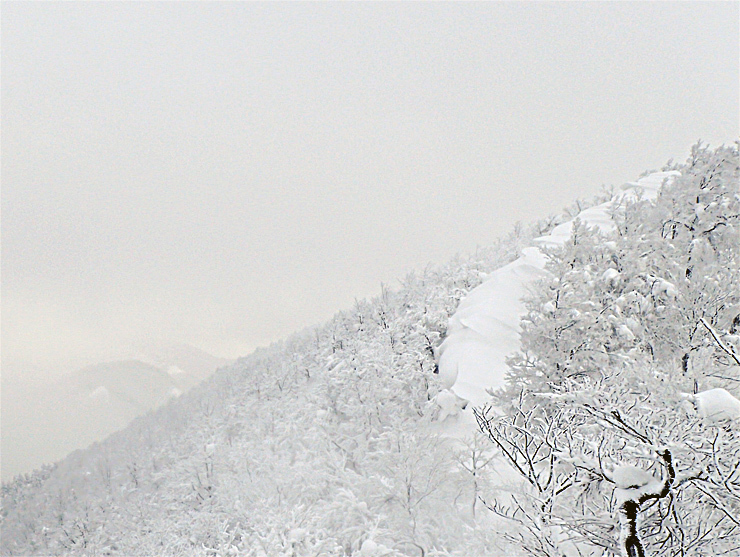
<point>628,325</point>
<point>602,458</point>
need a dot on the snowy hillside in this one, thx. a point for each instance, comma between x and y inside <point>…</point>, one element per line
<point>484,331</point>
<point>572,390</point>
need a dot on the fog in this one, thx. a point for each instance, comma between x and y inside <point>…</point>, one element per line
<point>223,174</point>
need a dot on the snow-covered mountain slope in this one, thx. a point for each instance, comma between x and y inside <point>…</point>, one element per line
<point>484,330</point>
<point>344,440</point>
<point>316,445</point>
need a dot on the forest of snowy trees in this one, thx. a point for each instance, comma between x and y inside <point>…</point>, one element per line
<point>601,411</point>
<point>617,431</point>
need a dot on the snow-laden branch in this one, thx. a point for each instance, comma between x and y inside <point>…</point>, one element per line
<point>727,349</point>
<point>643,488</point>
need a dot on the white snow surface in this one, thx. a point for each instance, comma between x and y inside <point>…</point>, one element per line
<point>716,404</point>
<point>370,548</point>
<point>449,404</point>
<point>100,394</point>
<point>484,330</point>
<point>174,370</point>
<point>627,476</point>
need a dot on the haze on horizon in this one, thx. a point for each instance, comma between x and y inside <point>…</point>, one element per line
<point>225,174</point>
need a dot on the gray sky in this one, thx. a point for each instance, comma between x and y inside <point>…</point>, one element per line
<point>225,174</point>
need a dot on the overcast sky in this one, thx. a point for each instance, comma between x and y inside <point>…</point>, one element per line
<point>225,174</point>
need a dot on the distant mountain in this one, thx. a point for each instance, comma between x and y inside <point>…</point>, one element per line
<point>133,384</point>
<point>188,364</point>
<point>45,421</point>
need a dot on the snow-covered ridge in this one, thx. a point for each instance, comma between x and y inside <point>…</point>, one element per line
<point>484,330</point>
